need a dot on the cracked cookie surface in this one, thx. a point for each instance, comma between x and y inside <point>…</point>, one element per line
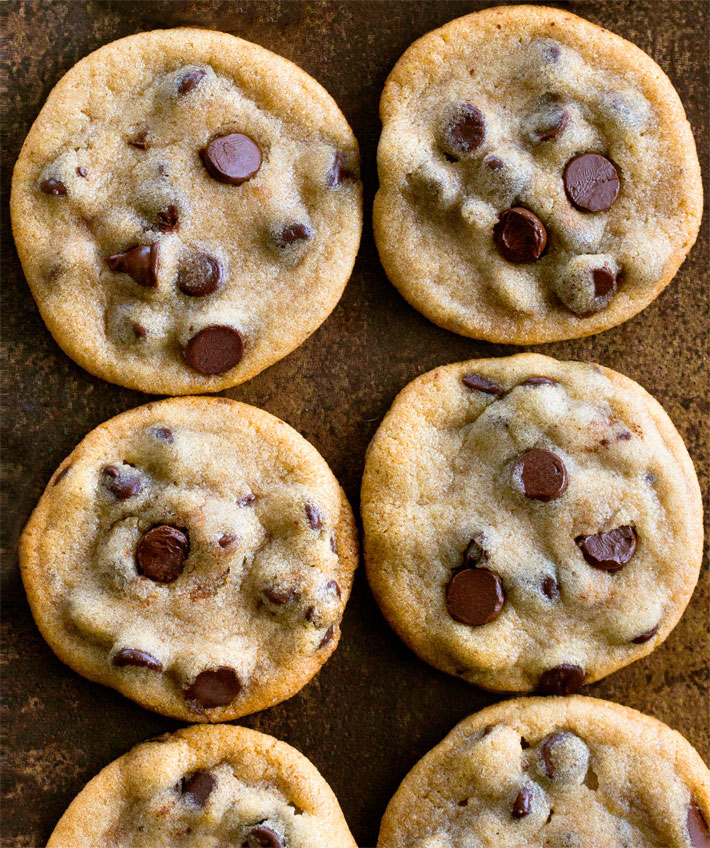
<point>570,772</point>
<point>196,554</point>
<point>538,177</point>
<point>530,524</point>
<point>187,210</point>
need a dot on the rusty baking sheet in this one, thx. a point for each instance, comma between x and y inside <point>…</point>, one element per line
<point>374,709</point>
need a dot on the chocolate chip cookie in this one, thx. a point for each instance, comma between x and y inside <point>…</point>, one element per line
<point>202,787</point>
<point>530,524</point>
<point>196,555</point>
<point>538,177</point>
<point>187,209</point>
<point>556,772</point>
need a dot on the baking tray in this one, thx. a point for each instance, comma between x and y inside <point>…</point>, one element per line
<point>374,709</point>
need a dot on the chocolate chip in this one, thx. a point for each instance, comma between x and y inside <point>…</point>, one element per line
<point>546,753</point>
<point>226,540</point>
<point>520,235</point>
<point>198,786</point>
<point>604,282</point>
<point>162,552</point>
<point>168,219</point>
<point>523,803</point>
<point>81,172</point>
<point>541,474</point>
<point>609,551</point>
<point>697,827</point>
<point>233,158</point>
<point>550,588</point>
<point>132,656</point>
<point>333,543</point>
<point>645,637</point>
<point>246,500</point>
<point>165,434</point>
<point>332,586</point>
<point>539,381</point>
<point>199,275</point>
<point>482,384</point>
<point>549,121</point>
<point>327,637</point>
<point>215,687</point>
<point>122,484</point>
<point>474,553</point>
<point>189,81</point>
<point>281,597</point>
<point>54,187</point>
<point>563,679</point>
<point>290,234</point>
<point>315,519</point>
<point>338,172</point>
<point>140,263</point>
<point>263,837</point>
<point>214,349</point>
<point>591,182</point>
<point>475,596</point>
<point>140,140</point>
<point>139,331</point>
<point>62,474</point>
<point>464,130</point>
<point>495,163</point>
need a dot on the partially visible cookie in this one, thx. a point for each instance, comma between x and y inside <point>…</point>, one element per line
<point>187,209</point>
<point>196,554</point>
<point>538,177</point>
<point>206,787</point>
<point>555,773</point>
<point>530,524</point>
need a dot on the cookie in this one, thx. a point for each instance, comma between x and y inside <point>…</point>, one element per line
<point>195,554</point>
<point>530,524</point>
<point>204,787</point>
<point>560,772</point>
<point>538,177</point>
<point>187,209</point>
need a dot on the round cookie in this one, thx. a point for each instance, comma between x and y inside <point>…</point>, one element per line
<point>195,554</point>
<point>206,787</point>
<point>556,772</point>
<point>530,524</point>
<point>187,210</point>
<point>538,177</point>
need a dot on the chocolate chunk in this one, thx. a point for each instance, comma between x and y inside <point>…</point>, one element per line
<point>262,836</point>
<point>475,596</point>
<point>54,187</point>
<point>520,235</point>
<point>140,263</point>
<point>168,219</point>
<point>541,474</point>
<point>215,687</point>
<point>214,349</point>
<point>313,516</point>
<point>338,171</point>
<point>482,384</point>
<point>523,803</point>
<point>139,331</point>
<point>645,637</point>
<point>189,81</point>
<point>62,474</point>
<point>697,827</point>
<point>604,282</point>
<point>198,786</point>
<point>140,140</point>
<point>563,679</point>
<point>550,588</point>
<point>464,130</point>
<point>122,484</point>
<point>81,172</point>
<point>609,551</point>
<point>290,234</point>
<point>539,381</point>
<point>165,434</point>
<point>199,275</point>
<point>233,158</point>
<point>327,637</point>
<point>281,597</point>
<point>546,753</point>
<point>591,182</point>
<point>132,656</point>
<point>162,552</point>
<point>246,500</point>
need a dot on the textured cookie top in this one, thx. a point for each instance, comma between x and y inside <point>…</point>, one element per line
<point>206,787</point>
<point>556,772</point>
<point>196,554</point>
<point>187,210</point>
<point>538,178</point>
<point>530,524</point>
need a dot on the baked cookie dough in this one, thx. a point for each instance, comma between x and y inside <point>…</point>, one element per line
<point>530,524</point>
<point>195,554</point>
<point>187,209</point>
<point>538,177</point>
<point>554,773</point>
<point>206,787</point>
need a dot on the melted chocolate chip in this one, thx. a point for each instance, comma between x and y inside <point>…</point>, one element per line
<point>474,553</point>
<point>338,172</point>
<point>226,540</point>
<point>591,182</point>
<point>292,233</point>
<point>139,331</point>
<point>475,596</point>
<point>333,543</point>
<point>233,158</point>
<point>198,786</point>
<point>523,803</point>
<point>332,586</point>
<point>539,381</point>
<point>604,282</point>
<point>550,121</point>
<point>215,687</point>
<point>199,275</point>
<point>645,637</point>
<point>550,588</point>
<point>246,500</point>
<point>495,163</point>
<point>464,130</point>
<point>263,837</point>
<point>140,263</point>
<point>564,679</point>
<point>81,172</point>
<point>132,656</point>
<point>313,516</point>
<point>54,187</point>
<point>546,753</point>
<point>215,349</point>
<point>282,597</point>
<point>62,474</point>
<point>190,81</point>
<point>162,552</point>
<point>697,827</point>
<point>140,140</point>
<point>609,551</point>
<point>542,474</point>
<point>327,637</point>
<point>520,235</point>
<point>482,384</point>
<point>165,434</point>
<point>168,219</point>
<point>122,484</point>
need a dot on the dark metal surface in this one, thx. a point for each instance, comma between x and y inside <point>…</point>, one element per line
<point>374,709</point>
